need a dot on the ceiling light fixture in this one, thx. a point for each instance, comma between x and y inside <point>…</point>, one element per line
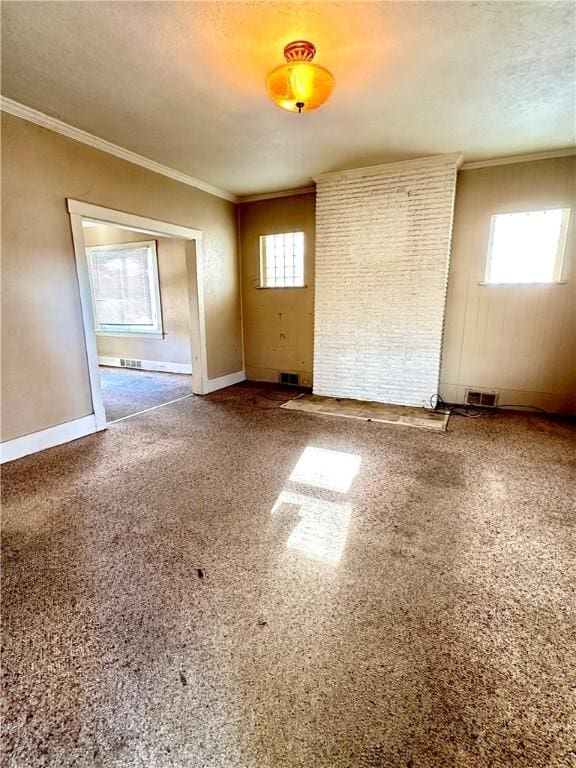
<point>299,85</point>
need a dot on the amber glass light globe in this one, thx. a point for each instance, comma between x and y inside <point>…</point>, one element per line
<point>299,85</point>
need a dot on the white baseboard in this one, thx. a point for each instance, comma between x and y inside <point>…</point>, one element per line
<point>147,365</point>
<point>47,438</point>
<point>72,430</point>
<point>224,381</point>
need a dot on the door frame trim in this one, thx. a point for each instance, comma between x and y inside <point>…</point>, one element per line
<point>79,210</point>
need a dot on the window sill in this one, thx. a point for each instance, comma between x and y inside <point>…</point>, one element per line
<point>507,285</point>
<point>131,334</point>
<point>281,287</point>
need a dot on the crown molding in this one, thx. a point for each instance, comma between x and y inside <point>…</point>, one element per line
<point>272,195</point>
<point>454,158</point>
<point>528,158</point>
<point>508,160</point>
<point>53,124</point>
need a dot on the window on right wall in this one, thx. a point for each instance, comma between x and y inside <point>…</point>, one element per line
<point>527,247</point>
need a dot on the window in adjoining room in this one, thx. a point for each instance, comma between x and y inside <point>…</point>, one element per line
<point>282,260</point>
<point>125,289</point>
<point>527,247</point>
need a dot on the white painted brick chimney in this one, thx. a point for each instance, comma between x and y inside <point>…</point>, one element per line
<point>382,253</point>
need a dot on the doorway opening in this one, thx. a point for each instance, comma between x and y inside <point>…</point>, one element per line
<point>139,292</point>
<point>143,310</point>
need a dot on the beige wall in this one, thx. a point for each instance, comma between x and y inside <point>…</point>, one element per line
<point>520,340</point>
<point>44,367</point>
<point>278,322</point>
<point>175,347</point>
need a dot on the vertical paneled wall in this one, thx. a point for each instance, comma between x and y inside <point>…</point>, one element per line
<point>519,340</point>
<point>382,253</point>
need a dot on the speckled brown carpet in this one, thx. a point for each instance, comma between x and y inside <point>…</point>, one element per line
<point>126,391</point>
<point>221,583</point>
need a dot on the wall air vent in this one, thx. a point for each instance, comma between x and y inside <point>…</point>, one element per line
<point>130,363</point>
<point>482,399</point>
<point>292,379</point>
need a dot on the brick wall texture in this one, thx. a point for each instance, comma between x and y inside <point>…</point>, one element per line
<point>382,254</point>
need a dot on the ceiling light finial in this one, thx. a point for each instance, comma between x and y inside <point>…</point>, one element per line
<point>299,85</point>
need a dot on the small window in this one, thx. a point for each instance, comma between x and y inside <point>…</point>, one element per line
<point>125,288</point>
<point>282,260</point>
<point>527,247</point>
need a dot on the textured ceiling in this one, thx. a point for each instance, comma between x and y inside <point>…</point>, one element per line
<point>182,83</point>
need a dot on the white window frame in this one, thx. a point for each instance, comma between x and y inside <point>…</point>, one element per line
<point>263,262</point>
<point>559,258</point>
<point>155,331</point>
